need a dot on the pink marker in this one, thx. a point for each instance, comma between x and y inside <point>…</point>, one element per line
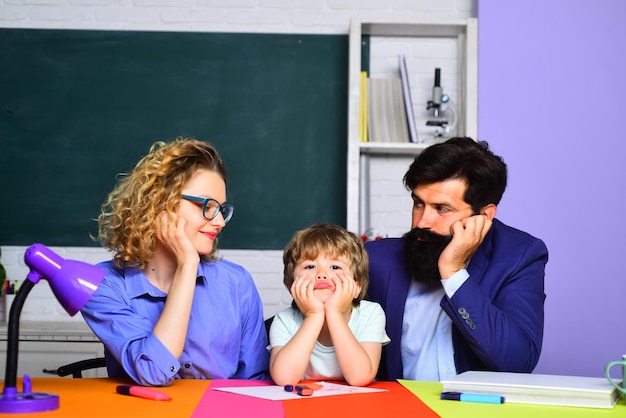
<point>142,392</point>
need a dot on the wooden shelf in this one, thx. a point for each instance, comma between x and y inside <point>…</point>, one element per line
<point>425,28</point>
<point>392,148</point>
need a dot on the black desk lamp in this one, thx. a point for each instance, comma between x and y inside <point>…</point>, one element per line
<point>73,283</point>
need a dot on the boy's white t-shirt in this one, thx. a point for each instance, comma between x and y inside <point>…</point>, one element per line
<point>367,323</point>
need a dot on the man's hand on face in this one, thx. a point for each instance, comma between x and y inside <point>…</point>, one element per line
<point>467,235</point>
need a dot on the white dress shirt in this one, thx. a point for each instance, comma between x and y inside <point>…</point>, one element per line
<point>426,346</point>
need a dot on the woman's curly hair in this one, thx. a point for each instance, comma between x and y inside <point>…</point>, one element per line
<point>126,224</point>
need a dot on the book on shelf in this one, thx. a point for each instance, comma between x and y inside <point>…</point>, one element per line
<point>363,108</point>
<point>590,392</point>
<point>386,113</point>
<point>408,102</point>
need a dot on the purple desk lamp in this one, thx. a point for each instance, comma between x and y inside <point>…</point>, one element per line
<point>73,283</point>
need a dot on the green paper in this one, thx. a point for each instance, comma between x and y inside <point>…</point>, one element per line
<point>429,393</point>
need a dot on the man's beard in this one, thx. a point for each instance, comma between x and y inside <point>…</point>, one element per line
<point>422,249</point>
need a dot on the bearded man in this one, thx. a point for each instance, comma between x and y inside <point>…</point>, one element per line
<point>461,291</point>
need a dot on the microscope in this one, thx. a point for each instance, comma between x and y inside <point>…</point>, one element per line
<point>443,111</point>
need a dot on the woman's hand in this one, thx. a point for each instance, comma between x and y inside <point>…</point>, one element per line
<point>171,232</point>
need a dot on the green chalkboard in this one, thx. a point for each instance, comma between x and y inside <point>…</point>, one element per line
<point>78,107</point>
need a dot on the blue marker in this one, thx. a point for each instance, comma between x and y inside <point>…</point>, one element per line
<point>472,397</point>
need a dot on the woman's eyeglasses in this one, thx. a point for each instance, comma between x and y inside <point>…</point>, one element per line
<point>211,207</point>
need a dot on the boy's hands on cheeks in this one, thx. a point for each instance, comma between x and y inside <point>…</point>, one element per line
<point>467,235</point>
<point>302,292</point>
<point>346,289</point>
<point>171,232</point>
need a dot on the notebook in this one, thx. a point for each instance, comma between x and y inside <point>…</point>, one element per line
<point>590,392</point>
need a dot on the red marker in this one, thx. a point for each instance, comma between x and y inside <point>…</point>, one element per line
<point>142,392</point>
<point>304,390</point>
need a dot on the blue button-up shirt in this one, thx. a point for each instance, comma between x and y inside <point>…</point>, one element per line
<point>426,345</point>
<point>226,337</point>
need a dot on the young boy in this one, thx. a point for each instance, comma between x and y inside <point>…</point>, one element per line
<point>329,332</point>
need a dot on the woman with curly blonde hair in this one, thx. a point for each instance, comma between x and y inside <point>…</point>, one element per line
<point>168,307</point>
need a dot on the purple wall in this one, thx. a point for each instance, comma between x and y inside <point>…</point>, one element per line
<point>552,102</point>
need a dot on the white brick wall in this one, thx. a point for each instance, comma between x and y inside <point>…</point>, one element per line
<point>277,16</point>
<point>390,202</point>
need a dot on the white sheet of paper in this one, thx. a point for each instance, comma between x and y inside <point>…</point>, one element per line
<point>278,393</point>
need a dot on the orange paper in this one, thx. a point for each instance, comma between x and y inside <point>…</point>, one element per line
<point>396,402</point>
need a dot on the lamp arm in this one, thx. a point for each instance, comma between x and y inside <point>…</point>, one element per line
<point>13,333</point>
